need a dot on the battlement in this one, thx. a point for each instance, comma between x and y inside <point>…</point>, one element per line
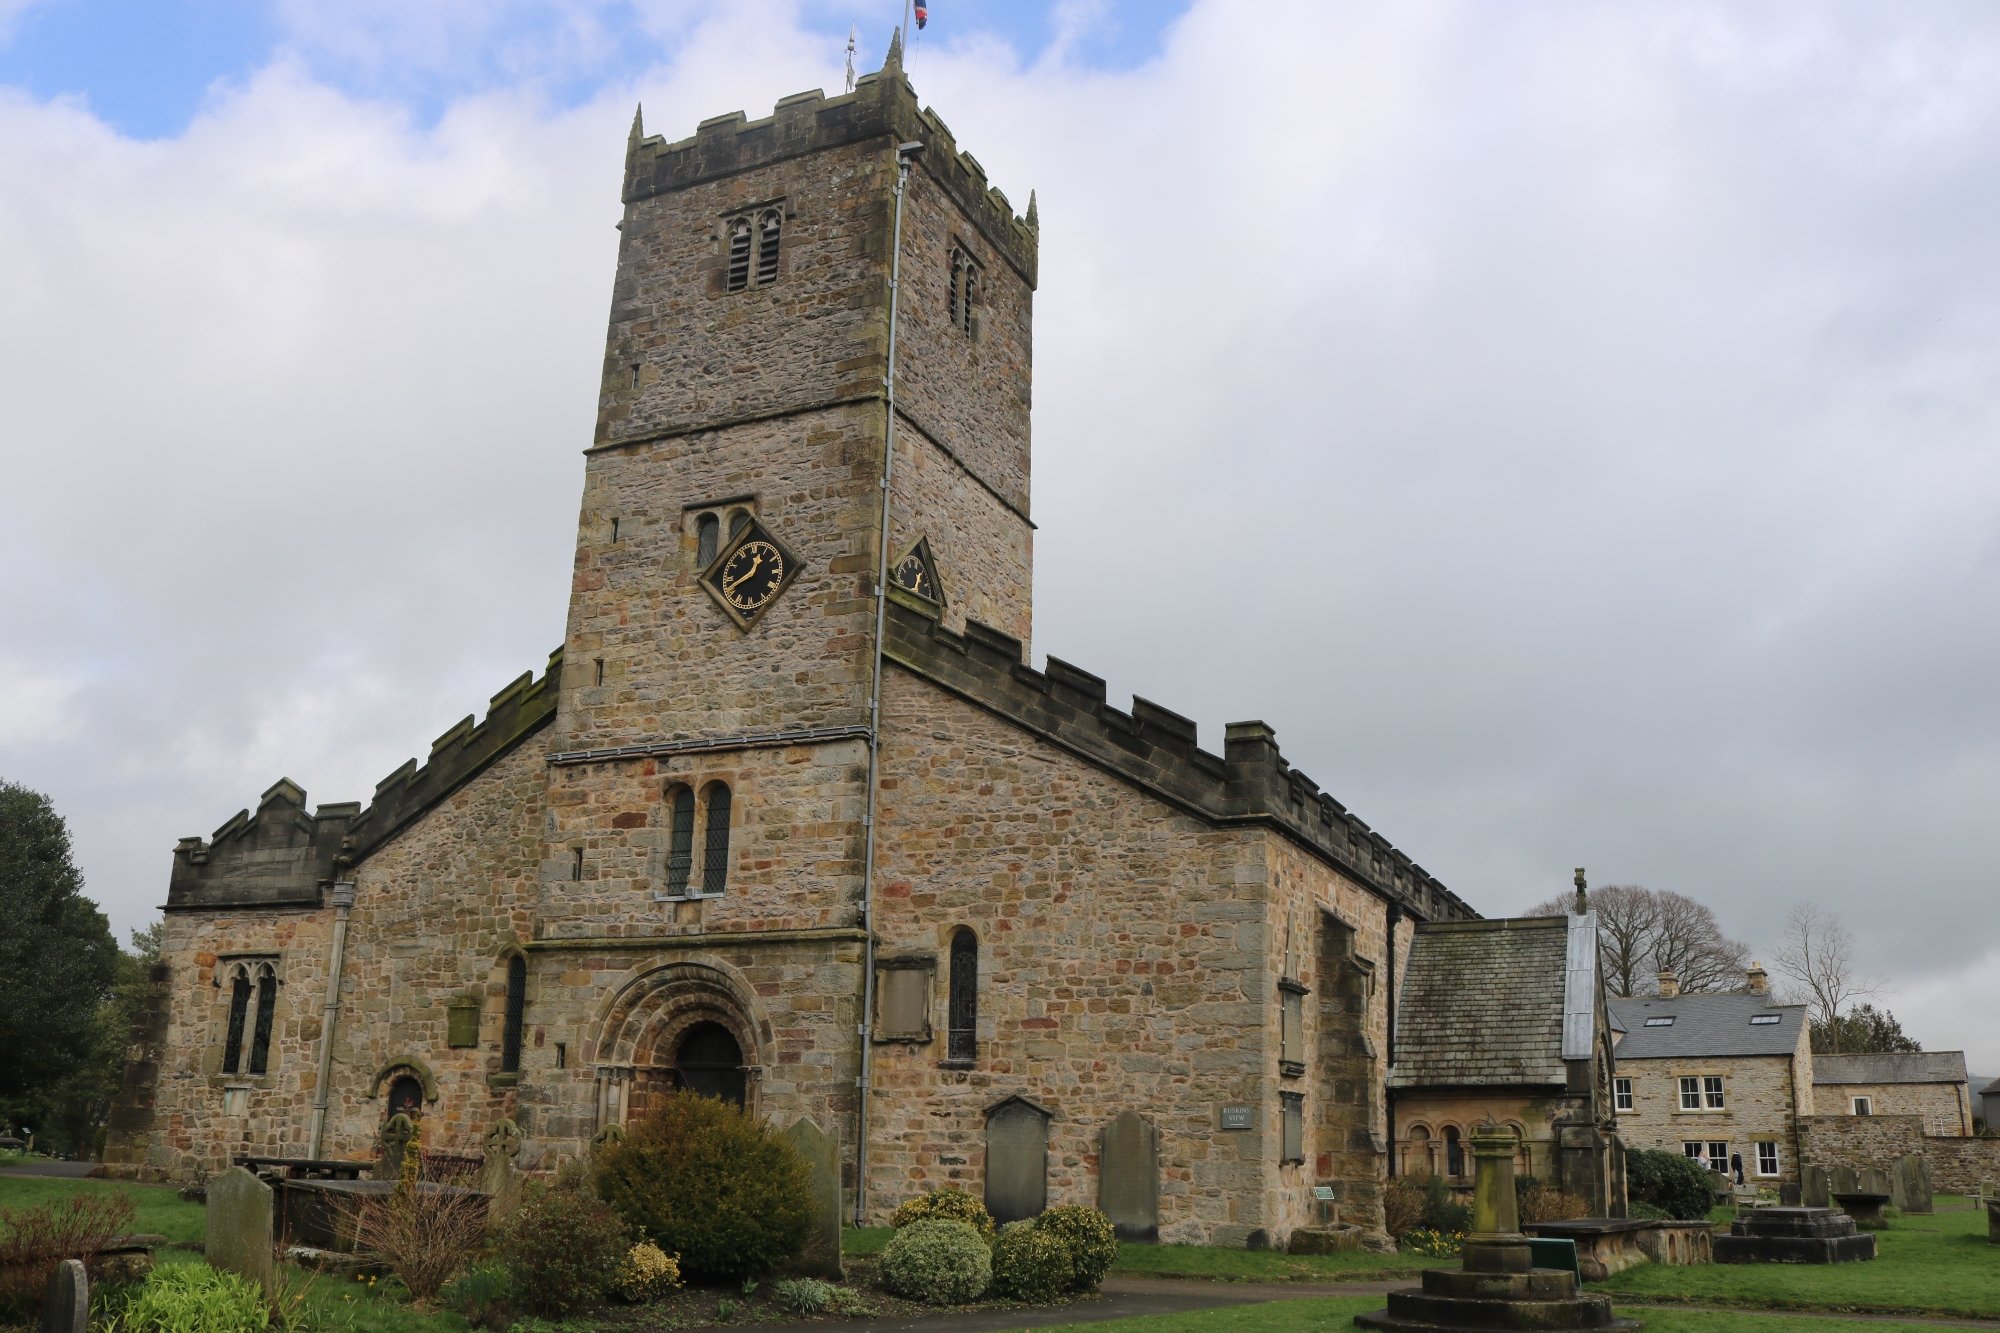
<point>1248,783</point>
<point>882,106</point>
<point>281,856</point>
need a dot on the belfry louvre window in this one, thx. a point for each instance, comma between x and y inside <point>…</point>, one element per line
<point>753,249</point>
<point>964,295</point>
<point>517,1003</point>
<point>715,847</point>
<point>962,1022</point>
<point>680,840</point>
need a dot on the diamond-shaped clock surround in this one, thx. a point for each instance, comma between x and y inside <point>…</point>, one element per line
<point>712,578</point>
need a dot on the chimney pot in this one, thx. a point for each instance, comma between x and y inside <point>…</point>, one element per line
<point>1670,985</point>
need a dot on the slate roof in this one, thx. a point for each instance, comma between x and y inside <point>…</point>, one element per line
<point>1482,1004</point>
<point>1705,1025</point>
<point>1891,1067</point>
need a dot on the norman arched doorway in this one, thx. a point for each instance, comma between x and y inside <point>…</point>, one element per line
<point>709,1061</point>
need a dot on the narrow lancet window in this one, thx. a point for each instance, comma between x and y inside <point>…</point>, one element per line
<point>239,1012</point>
<point>680,840</point>
<point>517,1002</point>
<point>768,227</point>
<point>715,848</point>
<point>267,1006</point>
<point>962,1021</point>
<point>706,531</point>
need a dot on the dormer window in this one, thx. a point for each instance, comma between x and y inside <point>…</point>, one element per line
<point>753,248</point>
<point>964,295</point>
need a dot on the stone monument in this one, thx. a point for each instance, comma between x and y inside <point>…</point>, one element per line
<point>397,1132</point>
<point>498,1179</point>
<point>240,1234</point>
<point>66,1307</point>
<point>821,1257</point>
<point>1793,1236</point>
<point>1910,1184</point>
<point>1497,1285</point>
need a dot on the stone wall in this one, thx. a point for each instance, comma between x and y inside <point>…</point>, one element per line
<point>1759,1107</point>
<point>1941,1106</point>
<point>1958,1165</point>
<point>1963,1165</point>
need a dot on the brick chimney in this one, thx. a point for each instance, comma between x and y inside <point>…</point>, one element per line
<point>1759,979</point>
<point>1670,985</point>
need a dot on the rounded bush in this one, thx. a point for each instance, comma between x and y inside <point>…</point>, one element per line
<point>1679,1185</point>
<point>703,1181</point>
<point>1030,1264</point>
<point>1090,1238</point>
<point>647,1273</point>
<point>562,1246</point>
<point>946,1205</point>
<point>937,1261</point>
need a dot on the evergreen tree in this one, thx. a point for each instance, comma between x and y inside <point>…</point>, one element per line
<point>1862,1030</point>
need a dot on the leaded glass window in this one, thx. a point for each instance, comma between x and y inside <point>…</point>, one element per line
<point>680,840</point>
<point>715,847</point>
<point>267,1006</point>
<point>517,1002</point>
<point>962,1021</point>
<point>239,1011</point>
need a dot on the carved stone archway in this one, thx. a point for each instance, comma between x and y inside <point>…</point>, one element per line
<point>666,1013</point>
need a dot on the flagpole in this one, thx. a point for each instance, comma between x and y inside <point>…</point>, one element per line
<point>908,36</point>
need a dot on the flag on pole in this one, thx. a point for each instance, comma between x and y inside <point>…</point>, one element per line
<point>923,15</point>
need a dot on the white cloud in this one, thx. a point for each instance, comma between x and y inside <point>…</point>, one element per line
<point>1569,426</point>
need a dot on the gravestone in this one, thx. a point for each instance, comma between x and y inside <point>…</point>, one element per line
<point>1843,1180</point>
<point>498,1179</point>
<point>397,1131</point>
<point>1815,1188</point>
<point>1017,1160</point>
<point>240,1237</point>
<point>1874,1180</point>
<point>821,1257</point>
<point>1128,1177</point>
<point>1910,1184</point>
<point>66,1305</point>
<point>1788,1194</point>
<point>1993,1221</point>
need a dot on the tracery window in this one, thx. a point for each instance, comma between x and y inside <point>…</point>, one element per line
<point>239,1010</point>
<point>964,293</point>
<point>962,1020</point>
<point>253,1008</point>
<point>517,1003</point>
<point>715,845</point>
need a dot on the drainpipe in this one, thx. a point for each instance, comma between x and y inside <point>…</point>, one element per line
<point>343,903</point>
<point>1389,1093</point>
<point>905,153</point>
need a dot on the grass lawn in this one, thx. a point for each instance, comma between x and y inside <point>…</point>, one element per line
<point>1940,1264</point>
<point>1332,1313</point>
<point>158,1209</point>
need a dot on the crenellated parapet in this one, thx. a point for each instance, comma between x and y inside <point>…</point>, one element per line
<point>883,106</point>
<point>284,856</point>
<point>1155,749</point>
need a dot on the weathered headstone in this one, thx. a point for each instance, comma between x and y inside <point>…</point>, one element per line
<point>1128,1177</point>
<point>1874,1180</point>
<point>821,1257</point>
<point>1017,1160</point>
<point>1910,1184</point>
<point>1815,1188</point>
<point>1788,1194</point>
<point>1843,1180</point>
<point>240,1237</point>
<point>66,1306</point>
<point>397,1131</point>
<point>1993,1221</point>
<point>498,1179</point>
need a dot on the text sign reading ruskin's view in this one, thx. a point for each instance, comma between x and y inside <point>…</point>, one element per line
<point>1236,1117</point>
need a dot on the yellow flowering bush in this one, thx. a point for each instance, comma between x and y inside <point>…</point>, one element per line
<point>647,1273</point>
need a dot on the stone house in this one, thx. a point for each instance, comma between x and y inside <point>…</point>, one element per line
<point>1506,1021</point>
<point>778,828</point>
<point>1715,1076</point>
<point>1929,1084</point>
<point>1989,1102</point>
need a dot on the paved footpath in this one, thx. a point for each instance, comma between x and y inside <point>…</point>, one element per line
<point>44,1166</point>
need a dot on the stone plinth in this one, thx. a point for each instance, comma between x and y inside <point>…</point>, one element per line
<point>1607,1245</point>
<point>1793,1236</point>
<point>1496,1288</point>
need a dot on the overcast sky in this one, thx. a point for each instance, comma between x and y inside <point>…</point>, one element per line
<point>1572,427</point>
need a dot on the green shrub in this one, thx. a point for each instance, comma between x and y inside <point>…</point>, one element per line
<point>1089,1237</point>
<point>1680,1186</point>
<point>194,1298</point>
<point>1442,1210</point>
<point>803,1295</point>
<point>703,1181</point>
<point>562,1246</point>
<point>1646,1212</point>
<point>947,1205</point>
<point>1030,1264</point>
<point>938,1262</point>
<point>481,1295</point>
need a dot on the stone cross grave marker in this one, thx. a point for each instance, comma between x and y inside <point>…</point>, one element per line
<point>66,1306</point>
<point>1017,1161</point>
<point>498,1179</point>
<point>397,1131</point>
<point>240,1237</point>
<point>821,1257</point>
<point>1128,1178</point>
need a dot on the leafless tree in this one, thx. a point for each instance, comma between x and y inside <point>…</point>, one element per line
<point>1641,930</point>
<point>1818,955</point>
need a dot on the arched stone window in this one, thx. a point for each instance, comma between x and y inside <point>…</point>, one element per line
<point>239,1013</point>
<point>1454,1153</point>
<point>709,1061</point>
<point>962,1019</point>
<point>739,254</point>
<point>253,1008</point>
<point>1417,1151</point>
<point>769,224</point>
<point>964,291</point>
<point>707,529</point>
<point>715,846</point>
<point>267,1009</point>
<point>517,1003</point>
<point>680,839</point>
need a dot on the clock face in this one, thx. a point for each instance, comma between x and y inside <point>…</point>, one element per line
<point>916,576</point>
<point>752,575</point>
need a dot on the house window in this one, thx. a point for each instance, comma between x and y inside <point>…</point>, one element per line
<point>680,840</point>
<point>1621,1093</point>
<point>1690,1094</point>
<point>1666,1022</point>
<point>517,1002</point>
<point>962,1022</point>
<point>1864,1106</point>
<point>1711,1091</point>
<point>1718,1155</point>
<point>1293,1107</point>
<point>715,848</point>
<point>964,292</point>
<point>1767,1158</point>
<point>1696,1149</point>
<point>1291,1028</point>
<point>759,234</point>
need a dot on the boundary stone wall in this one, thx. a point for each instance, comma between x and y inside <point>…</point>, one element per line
<point>1957,1165</point>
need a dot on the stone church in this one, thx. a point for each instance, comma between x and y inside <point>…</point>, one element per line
<point>790,818</point>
